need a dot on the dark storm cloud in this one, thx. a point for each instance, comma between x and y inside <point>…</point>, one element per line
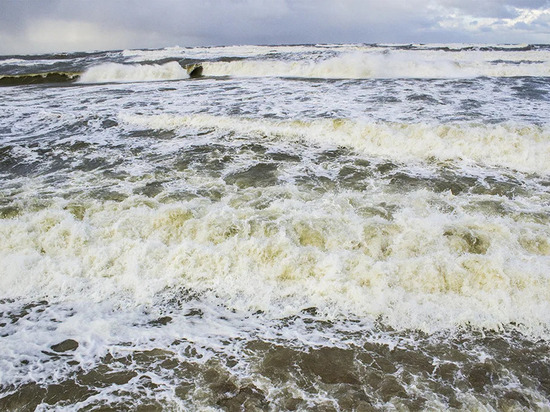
<point>52,25</point>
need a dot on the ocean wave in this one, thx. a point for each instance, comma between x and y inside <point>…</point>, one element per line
<point>121,73</point>
<point>418,64</point>
<point>519,147</point>
<point>202,53</point>
<point>38,78</point>
<point>256,51</point>
<point>417,270</point>
<point>454,47</point>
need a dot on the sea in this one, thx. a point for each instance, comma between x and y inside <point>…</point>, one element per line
<point>331,227</point>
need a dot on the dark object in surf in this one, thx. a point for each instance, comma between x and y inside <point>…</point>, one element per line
<point>65,346</point>
<point>194,70</point>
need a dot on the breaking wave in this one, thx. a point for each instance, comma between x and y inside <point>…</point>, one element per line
<point>386,65</point>
<point>122,73</point>
<point>38,78</point>
<point>523,148</point>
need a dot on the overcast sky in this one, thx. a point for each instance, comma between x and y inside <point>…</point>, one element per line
<point>41,26</point>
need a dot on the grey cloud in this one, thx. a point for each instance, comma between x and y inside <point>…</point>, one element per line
<point>521,26</point>
<point>134,23</point>
<point>493,8</point>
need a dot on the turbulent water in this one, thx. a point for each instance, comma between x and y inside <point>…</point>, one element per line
<point>329,227</point>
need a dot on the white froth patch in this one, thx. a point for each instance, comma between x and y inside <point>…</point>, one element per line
<point>522,148</point>
<point>422,269</point>
<point>247,51</point>
<point>114,72</point>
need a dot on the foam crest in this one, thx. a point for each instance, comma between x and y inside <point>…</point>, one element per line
<point>115,72</point>
<point>363,65</point>
<point>523,148</point>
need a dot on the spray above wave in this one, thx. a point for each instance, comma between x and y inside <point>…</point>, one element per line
<point>523,148</point>
<point>122,73</point>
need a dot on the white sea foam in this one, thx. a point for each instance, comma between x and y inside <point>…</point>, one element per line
<point>114,72</point>
<point>359,61</point>
<point>15,61</point>
<point>422,269</point>
<point>469,46</point>
<point>30,62</point>
<point>524,148</point>
<point>249,51</point>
